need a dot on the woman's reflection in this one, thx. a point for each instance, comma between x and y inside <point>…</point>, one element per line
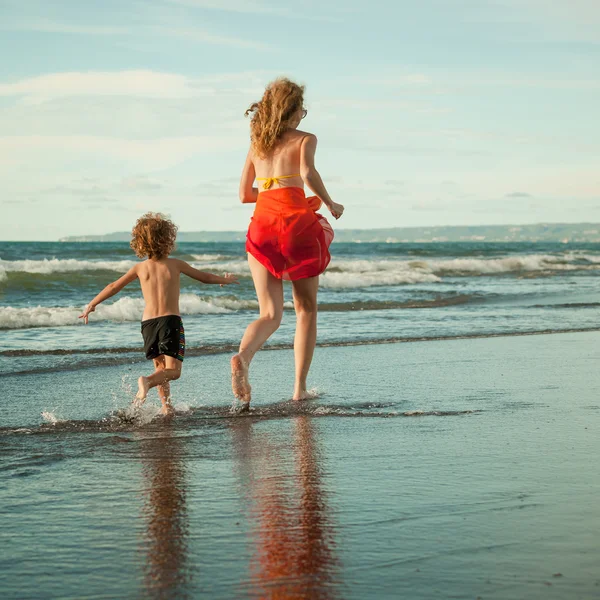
<point>165,513</point>
<point>292,536</point>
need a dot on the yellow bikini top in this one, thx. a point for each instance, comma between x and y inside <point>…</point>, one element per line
<point>269,181</point>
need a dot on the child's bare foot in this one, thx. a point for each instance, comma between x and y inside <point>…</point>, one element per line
<point>143,387</point>
<point>168,410</point>
<point>239,379</point>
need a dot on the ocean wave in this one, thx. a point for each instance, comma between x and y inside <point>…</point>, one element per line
<point>339,280</point>
<point>124,309</point>
<point>47,266</point>
<point>345,273</point>
<point>131,309</point>
<point>210,257</point>
<point>368,273</point>
<point>582,255</point>
<point>490,266</point>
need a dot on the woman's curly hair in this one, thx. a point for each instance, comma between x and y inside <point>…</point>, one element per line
<point>272,115</point>
<point>153,236</point>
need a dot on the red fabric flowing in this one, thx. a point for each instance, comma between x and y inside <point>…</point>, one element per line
<point>287,235</point>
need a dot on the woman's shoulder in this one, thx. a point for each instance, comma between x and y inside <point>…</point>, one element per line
<point>302,136</point>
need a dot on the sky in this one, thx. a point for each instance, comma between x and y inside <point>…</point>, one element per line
<point>437,112</point>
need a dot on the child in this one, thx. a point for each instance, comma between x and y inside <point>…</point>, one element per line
<point>162,329</point>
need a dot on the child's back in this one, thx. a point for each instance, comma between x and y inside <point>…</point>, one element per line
<point>159,280</point>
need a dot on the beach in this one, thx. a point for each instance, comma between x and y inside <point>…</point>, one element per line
<point>459,468</point>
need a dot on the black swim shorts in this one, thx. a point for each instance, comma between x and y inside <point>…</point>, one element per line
<point>164,335</point>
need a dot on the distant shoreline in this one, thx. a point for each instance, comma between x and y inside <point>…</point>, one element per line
<point>539,232</point>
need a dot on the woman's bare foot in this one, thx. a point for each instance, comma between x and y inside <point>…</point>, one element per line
<point>143,387</point>
<point>240,408</point>
<point>239,379</point>
<point>301,393</point>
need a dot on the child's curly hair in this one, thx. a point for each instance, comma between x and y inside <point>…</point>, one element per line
<point>153,236</point>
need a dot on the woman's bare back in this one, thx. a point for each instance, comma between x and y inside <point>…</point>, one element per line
<point>284,160</point>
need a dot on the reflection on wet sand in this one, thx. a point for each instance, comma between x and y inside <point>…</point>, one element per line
<point>165,515</point>
<point>292,537</point>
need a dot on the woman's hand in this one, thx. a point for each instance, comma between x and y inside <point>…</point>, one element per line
<point>337,210</point>
<point>88,309</point>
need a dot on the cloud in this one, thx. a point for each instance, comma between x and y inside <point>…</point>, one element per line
<point>140,184</point>
<point>310,11</point>
<point>82,187</point>
<point>141,83</point>
<point>390,79</point>
<point>145,154</point>
<point>195,34</point>
<point>52,27</point>
<point>175,29</point>
<point>444,82</point>
<point>102,201</point>
<point>239,6</point>
<point>518,195</point>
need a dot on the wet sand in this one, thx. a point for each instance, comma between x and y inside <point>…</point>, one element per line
<point>450,469</point>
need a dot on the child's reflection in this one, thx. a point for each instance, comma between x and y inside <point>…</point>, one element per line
<point>165,513</point>
<point>292,535</point>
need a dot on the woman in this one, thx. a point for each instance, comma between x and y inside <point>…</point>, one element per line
<point>286,239</point>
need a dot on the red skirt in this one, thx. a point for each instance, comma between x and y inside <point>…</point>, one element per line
<point>287,236</point>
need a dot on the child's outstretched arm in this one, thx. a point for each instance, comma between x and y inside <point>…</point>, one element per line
<point>204,277</point>
<point>110,290</point>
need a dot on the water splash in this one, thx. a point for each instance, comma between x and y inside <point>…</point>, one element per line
<point>50,417</point>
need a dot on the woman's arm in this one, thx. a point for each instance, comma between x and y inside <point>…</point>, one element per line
<point>248,194</point>
<point>311,176</point>
<point>204,277</point>
<point>110,290</point>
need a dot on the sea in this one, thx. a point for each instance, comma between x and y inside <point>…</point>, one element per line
<point>446,451</point>
<point>371,293</point>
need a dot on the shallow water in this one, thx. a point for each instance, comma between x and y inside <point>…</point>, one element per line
<point>456,469</point>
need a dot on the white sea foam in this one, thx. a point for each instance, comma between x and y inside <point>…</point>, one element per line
<point>488,266</point>
<point>47,266</point>
<point>232,266</point>
<point>367,273</point>
<point>343,273</point>
<point>51,418</point>
<point>66,265</point>
<point>124,309</point>
<point>592,258</point>
<point>211,257</point>
<point>373,278</point>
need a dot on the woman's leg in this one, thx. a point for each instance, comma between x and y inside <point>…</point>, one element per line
<point>269,291</point>
<point>305,303</point>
